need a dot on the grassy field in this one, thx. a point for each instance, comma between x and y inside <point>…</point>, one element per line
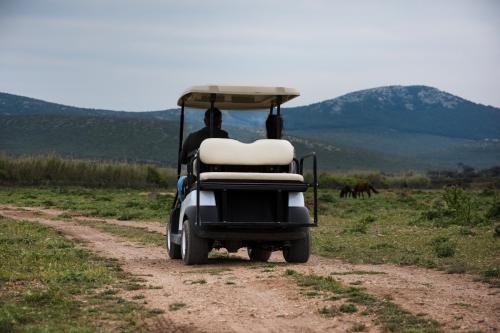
<point>49,284</point>
<point>446,229</point>
<point>453,230</point>
<point>123,204</point>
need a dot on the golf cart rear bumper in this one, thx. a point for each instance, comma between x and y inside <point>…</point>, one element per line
<point>209,226</point>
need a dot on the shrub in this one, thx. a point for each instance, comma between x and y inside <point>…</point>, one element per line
<point>54,170</point>
<point>456,206</point>
<point>493,212</point>
<point>443,247</point>
<point>497,230</point>
<point>348,308</point>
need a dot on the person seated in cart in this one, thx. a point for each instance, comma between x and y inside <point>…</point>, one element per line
<point>195,139</point>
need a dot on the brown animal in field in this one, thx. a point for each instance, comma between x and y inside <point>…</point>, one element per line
<point>346,191</point>
<point>362,187</point>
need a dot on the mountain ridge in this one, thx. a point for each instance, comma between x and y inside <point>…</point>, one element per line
<point>380,127</point>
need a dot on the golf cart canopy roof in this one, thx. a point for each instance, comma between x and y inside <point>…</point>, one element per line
<point>236,97</point>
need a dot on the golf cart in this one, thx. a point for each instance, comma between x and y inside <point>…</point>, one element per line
<point>241,195</point>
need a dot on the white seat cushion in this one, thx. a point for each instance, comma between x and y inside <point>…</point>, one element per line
<point>232,152</point>
<point>250,176</point>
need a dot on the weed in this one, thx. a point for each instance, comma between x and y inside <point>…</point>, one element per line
<point>348,308</point>
<point>329,311</point>
<point>358,327</point>
<point>491,273</point>
<point>64,216</point>
<point>156,311</point>
<point>133,286</point>
<point>442,247</point>
<point>496,232</point>
<point>493,212</point>
<point>458,267</point>
<point>138,297</point>
<point>357,273</point>
<point>211,271</point>
<point>362,226</point>
<point>176,306</point>
<point>312,293</point>
<point>199,281</point>
<point>465,231</point>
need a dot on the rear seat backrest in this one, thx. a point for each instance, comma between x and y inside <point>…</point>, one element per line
<point>232,152</point>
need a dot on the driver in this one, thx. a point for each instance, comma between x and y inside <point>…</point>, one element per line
<point>194,140</point>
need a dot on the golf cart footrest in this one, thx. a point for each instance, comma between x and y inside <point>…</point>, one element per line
<point>256,224</point>
<point>267,186</point>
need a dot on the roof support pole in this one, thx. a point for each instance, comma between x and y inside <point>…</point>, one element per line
<point>181,137</point>
<point>278,113</point>
<point>212,102</point>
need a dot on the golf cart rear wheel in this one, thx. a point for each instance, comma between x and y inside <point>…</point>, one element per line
<point>174,250</point>
<point>299,250</point>
<point>194,250</point>
<point>257,254</point>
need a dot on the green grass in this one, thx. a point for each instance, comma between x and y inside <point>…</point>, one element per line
<point>123,204</point>
<point>134,234</point>
<point>392,317</point>
<point>47,284</point>
<point>55,170</point>
<point>176,306</point>
<point>391,227</point>
<point>357,273</point>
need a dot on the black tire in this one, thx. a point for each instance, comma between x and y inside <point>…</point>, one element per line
<point>194,250</point>
<point>299,250</point>
<point>174,250</point>
<point>258,254</point>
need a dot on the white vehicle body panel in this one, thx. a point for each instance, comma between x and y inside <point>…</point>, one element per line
<point>207,198</point>
<point>296,199</point>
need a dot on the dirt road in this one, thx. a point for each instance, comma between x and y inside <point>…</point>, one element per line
<point>233,295</point>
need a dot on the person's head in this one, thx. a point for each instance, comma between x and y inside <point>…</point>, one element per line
<point>274,126</point>
<point>217,118</point>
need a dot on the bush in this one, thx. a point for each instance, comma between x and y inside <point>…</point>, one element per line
<point>443,247</point>
<point>348,308</point>
<point>497,230</point>
<point>456,206</point>
<point>54,170</point>
<point>493,212</point>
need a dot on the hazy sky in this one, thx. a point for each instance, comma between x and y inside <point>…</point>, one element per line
<point>140,55</point>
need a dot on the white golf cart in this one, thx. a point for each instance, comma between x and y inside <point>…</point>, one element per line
<point>237,194</point>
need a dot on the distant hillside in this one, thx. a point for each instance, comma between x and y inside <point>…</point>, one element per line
<point>416,122</point>
<point>411,109</point>
<point>389,128</point>
<point>106,138</point>
<point>148,140</point>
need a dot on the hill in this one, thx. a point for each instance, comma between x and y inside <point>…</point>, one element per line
<point>416,122</point>
<point>388,128</point>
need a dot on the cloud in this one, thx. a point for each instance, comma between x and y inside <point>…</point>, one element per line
<point>141,54</point>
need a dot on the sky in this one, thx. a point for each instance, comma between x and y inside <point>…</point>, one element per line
<point>141,55</point>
